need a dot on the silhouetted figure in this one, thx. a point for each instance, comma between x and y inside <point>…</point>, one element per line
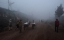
<point>33,24</point>
<point>17,24</point>
<point>20,26</point>
<point>10,25</point>
<point>56,25</point>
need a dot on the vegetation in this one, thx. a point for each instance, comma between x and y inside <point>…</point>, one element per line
<point>59,12</point>
<point>5,17</point>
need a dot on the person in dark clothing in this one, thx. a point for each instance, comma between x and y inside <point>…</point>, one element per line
<point>17,24</point>
<point>56,25</point>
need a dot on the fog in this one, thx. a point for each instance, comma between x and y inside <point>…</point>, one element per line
<point>40,9</point>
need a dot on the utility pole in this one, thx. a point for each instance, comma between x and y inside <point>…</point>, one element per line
<point>8,7</point>
<point>9,4</point>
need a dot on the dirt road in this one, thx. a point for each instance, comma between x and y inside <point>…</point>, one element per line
<point>42,31</point>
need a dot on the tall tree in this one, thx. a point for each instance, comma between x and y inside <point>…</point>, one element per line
<point>59,11</point>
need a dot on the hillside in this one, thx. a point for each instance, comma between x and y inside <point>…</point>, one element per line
<point>6,15</point>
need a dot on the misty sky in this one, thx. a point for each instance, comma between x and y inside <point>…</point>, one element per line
<point>42,9</point>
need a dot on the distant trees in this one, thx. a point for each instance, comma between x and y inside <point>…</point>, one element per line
<point>4,18</point>
<point>59,11</point>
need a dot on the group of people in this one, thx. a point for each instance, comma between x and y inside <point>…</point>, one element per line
<point>19,25</point>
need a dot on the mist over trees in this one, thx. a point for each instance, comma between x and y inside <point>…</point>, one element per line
<point>5,16</point>
<point>59,12</point>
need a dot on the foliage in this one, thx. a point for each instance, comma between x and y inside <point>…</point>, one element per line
<point>59,11</point>
<point>4,20</point>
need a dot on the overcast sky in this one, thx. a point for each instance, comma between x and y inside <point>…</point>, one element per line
<point>41,9</point>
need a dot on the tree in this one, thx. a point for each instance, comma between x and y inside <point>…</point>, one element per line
<point>59,11</point>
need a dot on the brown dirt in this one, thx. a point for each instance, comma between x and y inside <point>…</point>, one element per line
<point>41,32</point>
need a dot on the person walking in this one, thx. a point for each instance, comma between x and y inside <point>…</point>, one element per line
<point>33,24</point>
<point>20,26</point>
<point>17,24</point>
<point>25,25</point>
<point>56,25</point>
<point>10,24</point>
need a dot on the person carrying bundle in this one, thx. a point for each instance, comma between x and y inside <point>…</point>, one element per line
<point>25,25</point>
<point>33,24</point>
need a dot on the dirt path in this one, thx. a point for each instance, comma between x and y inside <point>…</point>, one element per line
<point>29,34</point>
<point>49,33</point>
<point>41,32</point>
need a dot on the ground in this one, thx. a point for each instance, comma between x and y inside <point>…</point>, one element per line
<point>42,31</point>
